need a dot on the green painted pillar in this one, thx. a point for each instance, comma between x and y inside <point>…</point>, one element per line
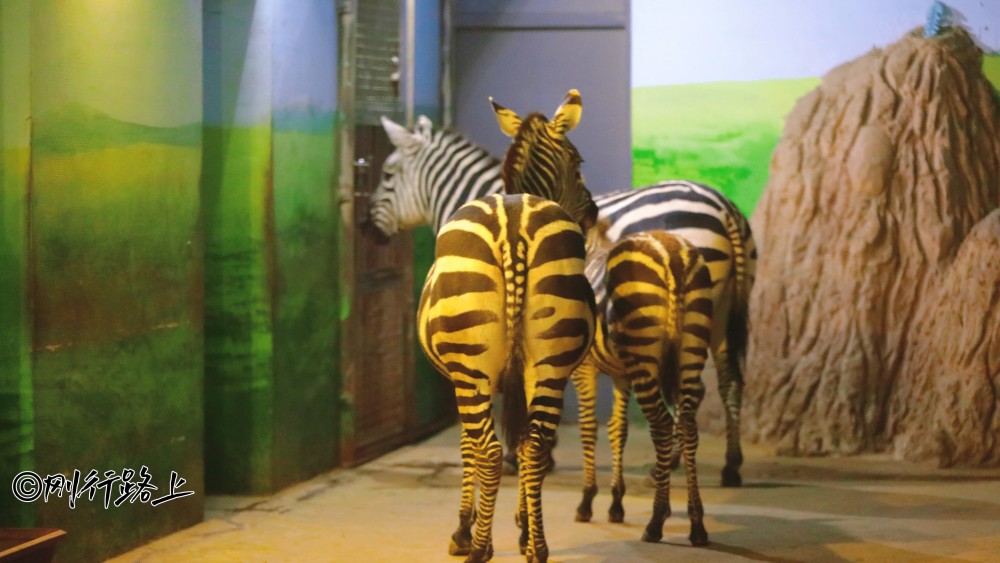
<point>306,223</point>
<point>16,405</point>
<point>270,273</point>
<point>238,197</point>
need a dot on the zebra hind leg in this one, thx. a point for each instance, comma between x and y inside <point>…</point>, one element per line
<point>731,393</point>
<point>618,436</point>
<point>510,461</point>
<point>533,470</point>
<point>585,382</point>
<point>689,431</point>
<point>661,429</point>
<point>521,517</point>
<point>461,540</point>
<point>489,455</point>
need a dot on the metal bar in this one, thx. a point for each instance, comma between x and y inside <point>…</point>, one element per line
<point>346,10</point>
<point>407,57</point>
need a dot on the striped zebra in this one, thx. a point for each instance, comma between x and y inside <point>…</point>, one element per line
<point>506,307</point>
<point>432,172</point>
<point>655,329</point>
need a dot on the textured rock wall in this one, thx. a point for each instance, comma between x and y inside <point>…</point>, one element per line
<point>881,173</point>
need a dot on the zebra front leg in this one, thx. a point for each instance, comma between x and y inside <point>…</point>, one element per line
<point>689,431</point>
<point>731,392</point>
<point>585,382</point>
<point>661,430</point>
<point>461,540</point>
<point>618,436</point>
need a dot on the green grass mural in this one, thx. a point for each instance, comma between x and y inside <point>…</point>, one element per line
<point>17,432</point>
<point>719,133</point>
<point>306,323</point>
<point>101,260</point>
<point>116,316</point>
<point>236,193</point>
<point>991,68</point>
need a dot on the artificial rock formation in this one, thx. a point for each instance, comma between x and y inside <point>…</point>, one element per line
<point>876,312</point>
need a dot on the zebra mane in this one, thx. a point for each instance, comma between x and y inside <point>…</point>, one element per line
<point>534,157</point>
<point>516,161</point>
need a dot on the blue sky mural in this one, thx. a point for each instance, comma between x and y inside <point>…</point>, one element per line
<point>715,40</point>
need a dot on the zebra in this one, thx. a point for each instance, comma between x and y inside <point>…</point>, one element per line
<point>432,172</point>
<point>654,332</point>
<point>506,307</point>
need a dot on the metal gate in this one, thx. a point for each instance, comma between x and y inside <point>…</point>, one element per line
<point>377,323</point>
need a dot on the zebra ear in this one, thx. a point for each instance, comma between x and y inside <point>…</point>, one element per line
<point>399,136</point>
<point>508,120</point>
<point>424,127</point>
<point>567,115</point>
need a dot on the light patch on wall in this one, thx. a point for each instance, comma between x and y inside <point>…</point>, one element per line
<point>15,56</point>
<point>305,55</point>
<point>99,59</point>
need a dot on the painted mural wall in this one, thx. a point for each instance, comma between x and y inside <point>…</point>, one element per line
<point>101,259</point>
<point>17,436</point>
<point>168,254</point>
<point>711,85</point>
<point>271,222</point>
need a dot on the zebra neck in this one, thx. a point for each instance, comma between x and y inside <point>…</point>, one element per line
<point>457,173</point>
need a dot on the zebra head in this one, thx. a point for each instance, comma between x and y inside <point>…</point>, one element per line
<point>542,161</point>
<point>396,203</point>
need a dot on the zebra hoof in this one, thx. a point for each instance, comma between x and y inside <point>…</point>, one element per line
<point>731,477</point>
<point>461,544</point>
<point>698,537</point>
<point>585,511</point>
<point>539,557</point>
<point>652,535</point>
<point>480,555</point>
<point>616,514</point>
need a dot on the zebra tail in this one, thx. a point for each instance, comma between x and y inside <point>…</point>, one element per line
<point>737,330</point>
<point>514,419</point>
<point>670,361</point>
<point>670,373</point>
<point>738,325</point>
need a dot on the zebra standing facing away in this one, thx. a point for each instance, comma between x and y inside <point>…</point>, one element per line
<point>656,327</point>
<point>507,307</point>
<point>431,173</point>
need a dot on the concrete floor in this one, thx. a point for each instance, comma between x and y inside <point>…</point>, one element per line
<point>404,506</point>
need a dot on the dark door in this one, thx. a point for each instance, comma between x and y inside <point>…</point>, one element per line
<point>383,318</point>
<point>378,345</point>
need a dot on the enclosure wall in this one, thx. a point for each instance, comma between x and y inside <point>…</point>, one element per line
<point>270,311</point>
<point>102,253</point>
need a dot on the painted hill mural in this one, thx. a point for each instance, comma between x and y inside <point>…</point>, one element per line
<point>75,128</point>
